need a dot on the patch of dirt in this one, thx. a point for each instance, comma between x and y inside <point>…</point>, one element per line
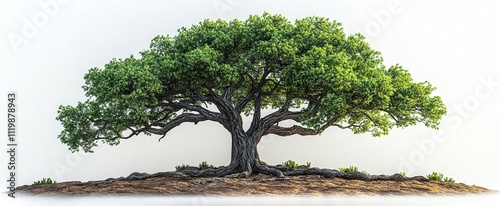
<point>171,183</point>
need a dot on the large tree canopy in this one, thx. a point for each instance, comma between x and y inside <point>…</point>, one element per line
<point>309,71</point>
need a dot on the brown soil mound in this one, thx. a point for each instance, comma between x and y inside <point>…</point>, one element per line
<point>170,183</point>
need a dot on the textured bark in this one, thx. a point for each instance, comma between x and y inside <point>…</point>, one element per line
<point>288,131</point>
<point>244,153</point>
<point>245,157</point>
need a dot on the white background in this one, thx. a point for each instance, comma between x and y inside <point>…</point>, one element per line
<point>44,54</point>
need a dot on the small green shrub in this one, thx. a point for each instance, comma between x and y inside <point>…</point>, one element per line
<point>366,173</point>
<point>44,181</point>
<point>449,179</point>
<point>180,168</point>
<point>439,177</point>
<point>403,174</point>
<point>204,165</point>
<point>435,176</point>
<point>308,164</point>
<point>348,169</point>
<point>290,164</point>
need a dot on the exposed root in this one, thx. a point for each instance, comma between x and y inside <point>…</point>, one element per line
<point>282,172</point>
<point>328,173</point>
<point>248,170</point>
<point>217,172</point>
<point>269,170</point>
<point>233,171</point>
<point>314,171</point>
<point>243,174</point>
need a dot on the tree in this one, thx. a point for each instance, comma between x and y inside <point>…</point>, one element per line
<point>309,72</point>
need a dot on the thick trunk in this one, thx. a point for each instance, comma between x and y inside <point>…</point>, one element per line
<point>244,154</point>
<point>245,157</point>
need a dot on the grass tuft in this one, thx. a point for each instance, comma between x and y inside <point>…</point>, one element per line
<point>436,176</point>
<point>204,165</point>
<point>44,181</point>
<point>290,164</point>
<point>180,168</point>
<point>348,169</point>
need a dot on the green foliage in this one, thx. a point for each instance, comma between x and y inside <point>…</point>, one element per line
<point>205,165</point>
<point>351,169</point>
<point>435,176</point>
<point>44,181</point>
<point>448,179</point>
<point>308,164</point>
<point>180,168</point>
<point>290,164</point>
<point>439,177</point>
<point>403,174</point>
<point>201,166</point>
<point>348,169</point>
<point>266,61</point>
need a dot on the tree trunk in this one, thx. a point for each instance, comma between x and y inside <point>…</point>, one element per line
<point>244,156</point>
